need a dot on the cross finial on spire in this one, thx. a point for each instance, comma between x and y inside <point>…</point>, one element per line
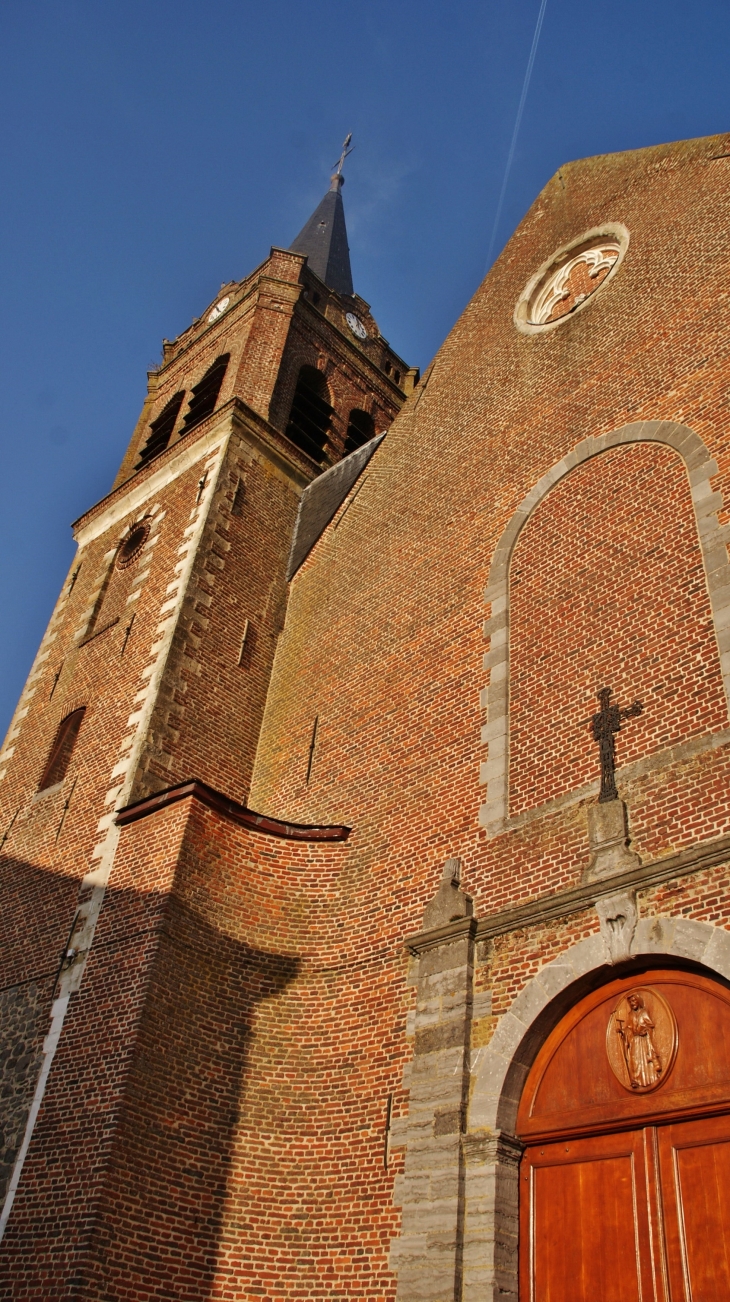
<point>324,237</point>
<point>347,148</point>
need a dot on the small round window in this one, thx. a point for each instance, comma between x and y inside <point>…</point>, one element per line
<point>569,279</point>
<point>132,545</point>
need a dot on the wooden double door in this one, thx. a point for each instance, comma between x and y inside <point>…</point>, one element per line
<point>625,1178</point>
<point>638,1216</point>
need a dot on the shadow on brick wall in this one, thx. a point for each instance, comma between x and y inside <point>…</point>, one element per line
<point>127,1180</point>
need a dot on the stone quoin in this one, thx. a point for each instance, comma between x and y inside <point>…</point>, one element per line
<point>314,924</point>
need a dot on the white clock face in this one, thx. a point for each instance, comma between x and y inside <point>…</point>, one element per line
<point>219,309</point>
<point>356,325</point>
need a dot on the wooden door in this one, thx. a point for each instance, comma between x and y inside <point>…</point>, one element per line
<point>625,1179</point>
<point>694,1160</point>
<point>585,1220</point>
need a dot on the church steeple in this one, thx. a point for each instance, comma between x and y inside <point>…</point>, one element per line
<point>324,237</point>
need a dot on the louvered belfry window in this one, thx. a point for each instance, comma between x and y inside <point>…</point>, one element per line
<point>62,749</point>
<point>360,429</point>
<point>311,413</point>
<point>205,393</point>
<point>161,430</point>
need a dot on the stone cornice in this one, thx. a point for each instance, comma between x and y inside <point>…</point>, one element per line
<point>462,929</point>
<point>545,908</point>
<point>232,810</point>
<point>706,854</point>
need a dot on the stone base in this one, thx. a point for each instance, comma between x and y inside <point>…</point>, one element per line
<point>608,837</point>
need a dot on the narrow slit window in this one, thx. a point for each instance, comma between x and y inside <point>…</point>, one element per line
<point>312,744</point>
<point>62,749</point>
<point>161,430</point>
<point>205,393</point>
<point>311,413</point>
<point>360,429</point>
<point>238,498</point>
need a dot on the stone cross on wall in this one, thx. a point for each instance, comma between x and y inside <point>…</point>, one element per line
<point>604,725</point>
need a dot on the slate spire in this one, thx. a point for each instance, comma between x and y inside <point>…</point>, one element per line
<point>324,238</point>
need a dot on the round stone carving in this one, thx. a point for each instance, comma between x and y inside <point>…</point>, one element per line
<point>573,283</point>
<point>641,1040</point>
<point>566,282</point>
<point>132,545</point>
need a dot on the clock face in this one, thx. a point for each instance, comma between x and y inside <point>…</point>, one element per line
<point>219,309</point>
<point>356,325</point>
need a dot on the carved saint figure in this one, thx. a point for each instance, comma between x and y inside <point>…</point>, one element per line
<point>643,1062</point>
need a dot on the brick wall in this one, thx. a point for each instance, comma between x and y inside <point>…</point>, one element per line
<point>383,641</point>
<point>154,653</point>
<point>607,588</point>
<point>256,1107</point>
<point>222,1084</point>
<point>383,634</point>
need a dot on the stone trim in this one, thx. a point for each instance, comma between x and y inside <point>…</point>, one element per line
<point>134,495</point>
<point>425,940</point>
<point>713,537</point>
<point>561,904</point>
<point>502,1068</point>
<point>38,668</point>
<point>427,1255</point>
<point>656,760</point>
<point>232,810</point>
<point>134,492</point>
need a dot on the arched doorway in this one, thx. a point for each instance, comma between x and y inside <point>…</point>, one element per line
<point>625,1117</point>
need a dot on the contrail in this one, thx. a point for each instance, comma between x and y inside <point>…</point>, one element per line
<point>518,120</point>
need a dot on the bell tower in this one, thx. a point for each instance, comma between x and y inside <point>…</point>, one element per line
<point>154,669</point>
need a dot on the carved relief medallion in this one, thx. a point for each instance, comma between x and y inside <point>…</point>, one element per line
<point>641,1040</point>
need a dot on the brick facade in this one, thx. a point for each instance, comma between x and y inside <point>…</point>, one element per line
<point>277,1076</point>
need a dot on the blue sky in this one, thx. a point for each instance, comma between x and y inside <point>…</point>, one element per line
<point>152,151</point>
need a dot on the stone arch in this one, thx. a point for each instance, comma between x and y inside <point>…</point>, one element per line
<point>712,538</point>
<point>492,1150</point>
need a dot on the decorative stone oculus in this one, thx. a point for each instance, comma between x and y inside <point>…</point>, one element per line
<point>570,277</point>
<point>572,283</point>
<point>131,545</point>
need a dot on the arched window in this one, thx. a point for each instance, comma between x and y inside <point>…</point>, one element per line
<point>62,749</point>
<point>161,430</point>
<point>205,393</point>
<point>311,411</point>
<point>360,429</point>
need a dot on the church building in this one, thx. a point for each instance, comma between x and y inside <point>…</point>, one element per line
<point>365,816</point>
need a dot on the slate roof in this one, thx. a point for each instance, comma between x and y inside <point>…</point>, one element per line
<point>324,240</point>
<point>322,498</point>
